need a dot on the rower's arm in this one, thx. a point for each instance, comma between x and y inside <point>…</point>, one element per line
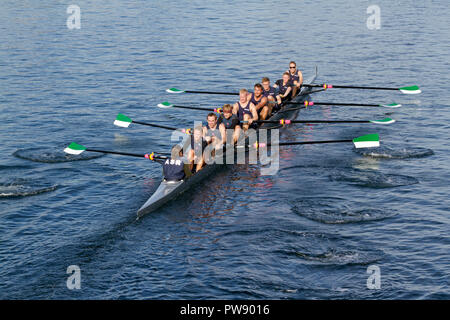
<point>235,109</point>
<point>249,96</point>
<point>223,133</point>
<point>208,139</point>
<point>187,142</point>
<point>289,89</point>
<point>300,77</point>
<point>254,112</point>
<point>262,103</point>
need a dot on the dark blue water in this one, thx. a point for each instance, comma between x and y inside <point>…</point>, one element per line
<point>311,231</point>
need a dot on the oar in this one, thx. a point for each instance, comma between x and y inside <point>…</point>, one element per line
<point>124,122</point>
<point>312,103</point>
<point>366,141</point>
<point>75,148</point>
<point>166,105</point>
<point>405,90</point>
<point>285,121</point>
<point>175,90</point>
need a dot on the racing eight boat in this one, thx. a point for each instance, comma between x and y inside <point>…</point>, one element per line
<point>169,190</point>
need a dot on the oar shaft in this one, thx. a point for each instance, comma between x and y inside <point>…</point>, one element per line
<point>154,125</point>
<point>309,142</point>
<point>337,104</point>
<point>350,87</point>
<point>118,153</point>
<point>316,121</point>
<point>193,108</point>
<point>124,153</point>
<point>213,92</point>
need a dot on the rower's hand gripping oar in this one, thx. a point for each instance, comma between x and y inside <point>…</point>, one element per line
<point>404,90</point>
<point>366,141</point>
<point>76,149</point>
<point>286,121</point>
<point>124,122</point>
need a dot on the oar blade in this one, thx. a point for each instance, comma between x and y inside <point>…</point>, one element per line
<point>391,105</point>
<point>75,148</point>
<point>174,90</point>
<point>367,141</point>
<point>410,90</point>
<point>383,121</point>
<point>165,105</point>
<point>122,121</point>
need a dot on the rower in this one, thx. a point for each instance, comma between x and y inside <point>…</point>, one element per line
<point>198,145</point>
<point>174,168</point>
<point>269,92</point>
<point>260,102</point>
<point>296,78</point>
<point>214,132</point>
<point>284,88</point>
<point>245,110</point>
<point>230,122</point>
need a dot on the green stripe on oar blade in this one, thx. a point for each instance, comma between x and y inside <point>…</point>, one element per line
<point>165,105</point>
<point>383,121</point>
<point>367,141</point>
<point>74,148</point>
<point>174,90</point>
<point>410,90</point>
<point>391,105</point>
<point>122,121</point>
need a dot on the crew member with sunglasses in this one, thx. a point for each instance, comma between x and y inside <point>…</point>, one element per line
<point>296,78</point>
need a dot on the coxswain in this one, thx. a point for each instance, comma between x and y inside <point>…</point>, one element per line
<point>245,110</point>
<point>231,124</point>
<point>270,93</point>
<point>284,88</point>
<point>174,168</point>
<point>296,78</point>
<point>198,145</point>
<point>260,102</point>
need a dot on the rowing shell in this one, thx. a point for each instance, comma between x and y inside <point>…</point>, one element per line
<point>169,190</point>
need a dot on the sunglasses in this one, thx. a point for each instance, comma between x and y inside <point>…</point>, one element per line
<point>291,67</point>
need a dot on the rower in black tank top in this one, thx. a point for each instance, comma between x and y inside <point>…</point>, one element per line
<point>243,110</point>
<point>229,123</point>
<point>254,101</point>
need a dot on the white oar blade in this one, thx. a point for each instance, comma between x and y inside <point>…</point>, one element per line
<point>174,90</point>
<point>367,141</point>
<point>122,121</point>
<point>391,105</point>
<point>165,105</point>
<point>383,121</point>
<point>410,90</point>
<point>75,148</point>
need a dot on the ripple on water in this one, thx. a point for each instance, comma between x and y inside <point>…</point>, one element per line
<point>53,155</point>
<point>334,256</point>
<point>372,179</point>
<point>338,211</point>
<point>390,153</point>
<point>20,187</point>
